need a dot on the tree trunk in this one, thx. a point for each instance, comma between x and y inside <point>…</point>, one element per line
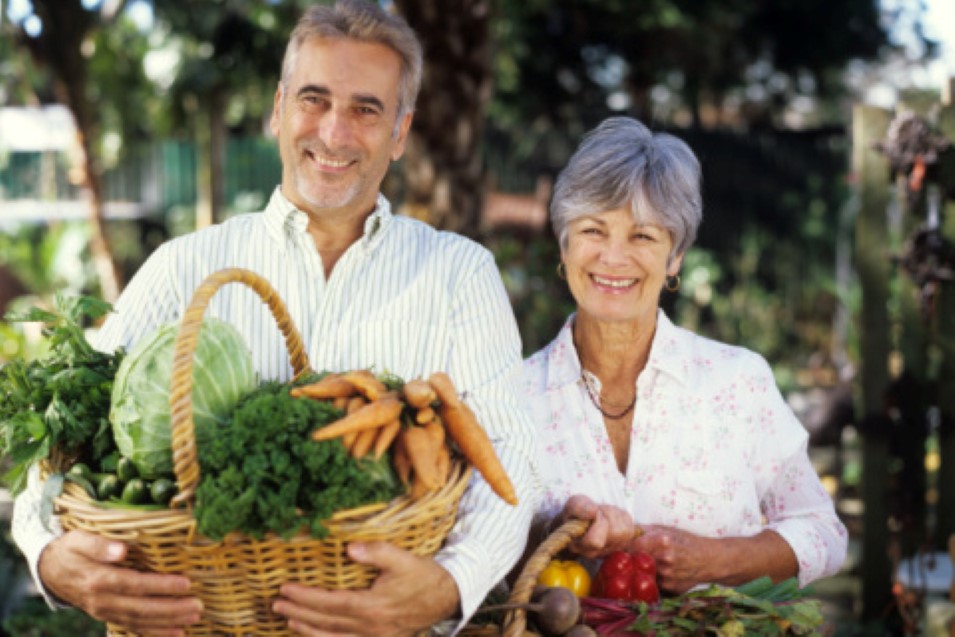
<point>59,46</point>
<point>210,164</point>
<point>443,164</point>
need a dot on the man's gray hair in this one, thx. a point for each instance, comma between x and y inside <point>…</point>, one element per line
<point>622,164</point>
<point>366,22</point>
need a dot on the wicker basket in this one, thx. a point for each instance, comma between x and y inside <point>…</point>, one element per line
<point>515,621</point>
<point>238,579</point>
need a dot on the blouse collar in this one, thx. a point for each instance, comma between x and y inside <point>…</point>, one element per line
<point>668,353</point>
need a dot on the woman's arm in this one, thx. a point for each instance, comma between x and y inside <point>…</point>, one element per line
<point>685,560</point>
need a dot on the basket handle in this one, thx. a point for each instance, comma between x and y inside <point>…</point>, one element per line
<point>184,455</point>
<point>515,622</point>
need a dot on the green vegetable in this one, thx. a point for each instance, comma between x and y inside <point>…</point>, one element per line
<point>222,372</point>
<point>81,470</point>
<point>135,492</point>
<point>108,487</point>
<point>126,470</point>
<point>162,490</point>
<point>262,472</point>
<point>757,608</point>
<point>56,407</point>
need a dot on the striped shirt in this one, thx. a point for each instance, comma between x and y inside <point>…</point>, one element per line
<point>404,299</point>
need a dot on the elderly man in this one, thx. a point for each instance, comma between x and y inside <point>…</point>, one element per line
<point>365,288</point>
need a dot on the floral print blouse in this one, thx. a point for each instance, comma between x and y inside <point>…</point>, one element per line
<point>714,448</point>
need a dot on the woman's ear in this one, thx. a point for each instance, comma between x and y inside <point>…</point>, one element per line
<point>673,268</point>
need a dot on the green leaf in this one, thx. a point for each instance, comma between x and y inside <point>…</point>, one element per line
<point>33,315</point>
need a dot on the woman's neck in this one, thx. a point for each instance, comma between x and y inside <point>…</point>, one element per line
<point>613,351</point>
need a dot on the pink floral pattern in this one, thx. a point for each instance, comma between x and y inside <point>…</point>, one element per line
<point>714,450</point>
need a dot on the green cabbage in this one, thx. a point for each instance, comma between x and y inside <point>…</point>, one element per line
<point>139,414</point>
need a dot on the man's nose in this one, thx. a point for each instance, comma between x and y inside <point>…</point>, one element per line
<point>335,128</point>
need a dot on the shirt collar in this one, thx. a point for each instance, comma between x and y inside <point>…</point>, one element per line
<point>668,353</point>
<point>282,219</point>
<point>670,350</point>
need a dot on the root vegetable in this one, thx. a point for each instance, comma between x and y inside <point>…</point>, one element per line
<point>329,387</point>
<point>401,461</point>
<point>366,383</point>
<point>424,416</point>
<point>370,416</point>
<point>422,452</point>
<point>419,394</point>
<point>463,427</point>
<point>364,441</point>
<point>557,612</point>
<point>385,436</point>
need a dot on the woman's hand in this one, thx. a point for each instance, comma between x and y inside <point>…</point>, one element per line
<point>685,560</point>
<point>611,528</point>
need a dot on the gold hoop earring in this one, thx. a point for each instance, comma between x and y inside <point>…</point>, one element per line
<point>562,271</point>
<point>672,283</point>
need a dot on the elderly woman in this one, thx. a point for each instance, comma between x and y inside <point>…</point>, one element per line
<point>644,425</point>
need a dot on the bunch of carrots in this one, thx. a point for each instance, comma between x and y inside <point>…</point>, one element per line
<point>415,422</point>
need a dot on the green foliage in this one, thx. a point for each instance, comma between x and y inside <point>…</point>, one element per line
<point>61,401</point>
<point>262,472</point>
<point>35,619</point>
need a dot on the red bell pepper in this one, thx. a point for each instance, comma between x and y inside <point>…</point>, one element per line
<point>627,576</point>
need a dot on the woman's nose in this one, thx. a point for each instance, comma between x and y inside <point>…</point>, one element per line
<point>614,252</point>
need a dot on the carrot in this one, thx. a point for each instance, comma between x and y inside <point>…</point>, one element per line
<point>424,415</point>
<point>443,464</point>
<point>363,442</point>
<point>418,393</point>
<point>340,403</point>
<point>370,416</point>
<point>331,386</point>
<point>445,389</point>
<point>366,383</point>
<point>400,460</point>
<point>385,436</point>
<point>422,450</point>
<point>463,427</point>
<point>436,430</point>
<point>354,403</point>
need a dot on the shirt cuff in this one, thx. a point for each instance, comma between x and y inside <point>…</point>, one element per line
<point>31,536</point>
<point>813,555</point>
<point>473,574</point>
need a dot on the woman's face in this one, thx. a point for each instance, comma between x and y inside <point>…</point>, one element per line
<point>617,267</point>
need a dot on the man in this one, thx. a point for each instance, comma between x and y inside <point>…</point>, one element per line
<point>365,288</point>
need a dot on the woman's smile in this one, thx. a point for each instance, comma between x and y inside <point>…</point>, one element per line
<point>616,284</point>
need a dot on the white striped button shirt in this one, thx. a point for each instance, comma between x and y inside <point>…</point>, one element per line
<point>404,298</point>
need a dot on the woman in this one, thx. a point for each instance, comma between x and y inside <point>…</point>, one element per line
<point>644,426</point>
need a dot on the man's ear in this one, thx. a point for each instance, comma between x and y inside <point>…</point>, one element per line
<point>402,136</point>
<point>274,121</point>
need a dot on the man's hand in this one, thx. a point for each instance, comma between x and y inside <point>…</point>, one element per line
<point>410,594</point>
<point>82,569</point>
<point>611,528</point>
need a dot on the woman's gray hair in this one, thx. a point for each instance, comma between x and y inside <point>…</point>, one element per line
<point>621,163</point>
<point>366,22</point>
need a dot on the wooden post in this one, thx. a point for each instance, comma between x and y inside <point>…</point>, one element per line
<point>869,125</point>
<point>945,339</point>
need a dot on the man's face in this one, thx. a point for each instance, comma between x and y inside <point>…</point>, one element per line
<point>336,124</point>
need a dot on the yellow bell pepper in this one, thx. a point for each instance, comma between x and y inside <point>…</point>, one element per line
<point>567,574</point>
